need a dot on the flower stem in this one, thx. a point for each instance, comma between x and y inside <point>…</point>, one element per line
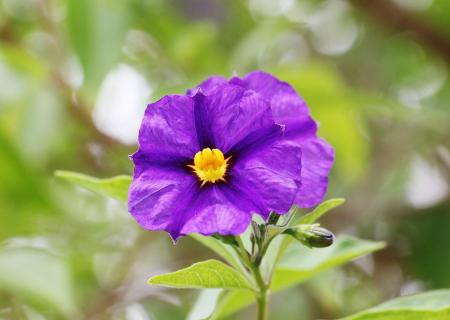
<point>261,297</point>
<point>263,288</point>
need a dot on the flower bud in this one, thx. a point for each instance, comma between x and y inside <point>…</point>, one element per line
<point>312,235</point>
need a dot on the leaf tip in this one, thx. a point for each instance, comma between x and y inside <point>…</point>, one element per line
<point>152,281</point>
<point>60,173</point>
<point>382,245</point>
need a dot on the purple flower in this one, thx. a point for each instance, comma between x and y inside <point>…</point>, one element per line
<point>227,149</point>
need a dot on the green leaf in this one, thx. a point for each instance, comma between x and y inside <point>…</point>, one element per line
<point>96,32</point>
<point>24,192</point>
<point>299,265</point>
<point>428,305</point>
<point>115,187</point>
<point>320,210</point>
<point>231,303</point>
<point>39,276</point>
<point>205,304</point>
<point>205,274</point>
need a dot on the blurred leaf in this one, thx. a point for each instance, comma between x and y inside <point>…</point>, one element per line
<point>24,197</point>
<point>320,210</point>
<point>428,305</point>
<point>38,275</point>
<point>232,302</point>
<point>299,265</point>
<point>193,43</point>
<point>115,187</point>
<point>97,31</point>
<point>425,231</point>
<point>438,15</point>
<point>205,274</point>
<point>22,61</point>
<point>205,304</point>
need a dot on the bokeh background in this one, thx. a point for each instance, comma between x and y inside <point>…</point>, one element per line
<point>76,76</point>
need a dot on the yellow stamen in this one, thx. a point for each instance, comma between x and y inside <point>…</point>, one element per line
<point>210,165</point>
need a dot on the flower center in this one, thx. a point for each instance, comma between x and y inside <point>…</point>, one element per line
<point>210,165</point>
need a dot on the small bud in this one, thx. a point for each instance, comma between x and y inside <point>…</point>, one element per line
<point>312,235</point>
<point>320,238</point>
<point>256,231</point>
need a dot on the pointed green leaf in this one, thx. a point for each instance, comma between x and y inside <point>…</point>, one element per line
<point>428,305</point>
<point>115,187</point>
<point>205,274</point>
<point>299,265</point>
<point>320,210</point>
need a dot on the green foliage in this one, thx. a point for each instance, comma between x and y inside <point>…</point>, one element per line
<point>432,305</point>
<point>382,102</point>
<point>38,275</point>
<point>205,274</point>
<point>300,264</point>
<point>97,31</point>
<point>20,181</point>
<point>297,265</point>
<point>116,187</point>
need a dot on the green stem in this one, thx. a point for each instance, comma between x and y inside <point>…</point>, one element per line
<point>261,296</point>
<point>263,288</point>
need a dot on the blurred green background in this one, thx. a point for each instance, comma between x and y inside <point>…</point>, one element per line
<point>75,78</point>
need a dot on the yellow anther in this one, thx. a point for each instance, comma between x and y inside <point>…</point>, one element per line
<point>210,165</point>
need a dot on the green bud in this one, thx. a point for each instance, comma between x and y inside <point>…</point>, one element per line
<point>320,238</point>
<point>312,235</point>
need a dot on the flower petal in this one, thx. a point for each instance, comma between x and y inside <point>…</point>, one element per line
<point>158,198</point>
<point>172,200</point>
<point>168,131</point>
<point>317,160</point>
<point>236,117</point>
<point>269,177</point>
<point>208,85</point>
<point>290,109</point>
<point>215,212</point>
